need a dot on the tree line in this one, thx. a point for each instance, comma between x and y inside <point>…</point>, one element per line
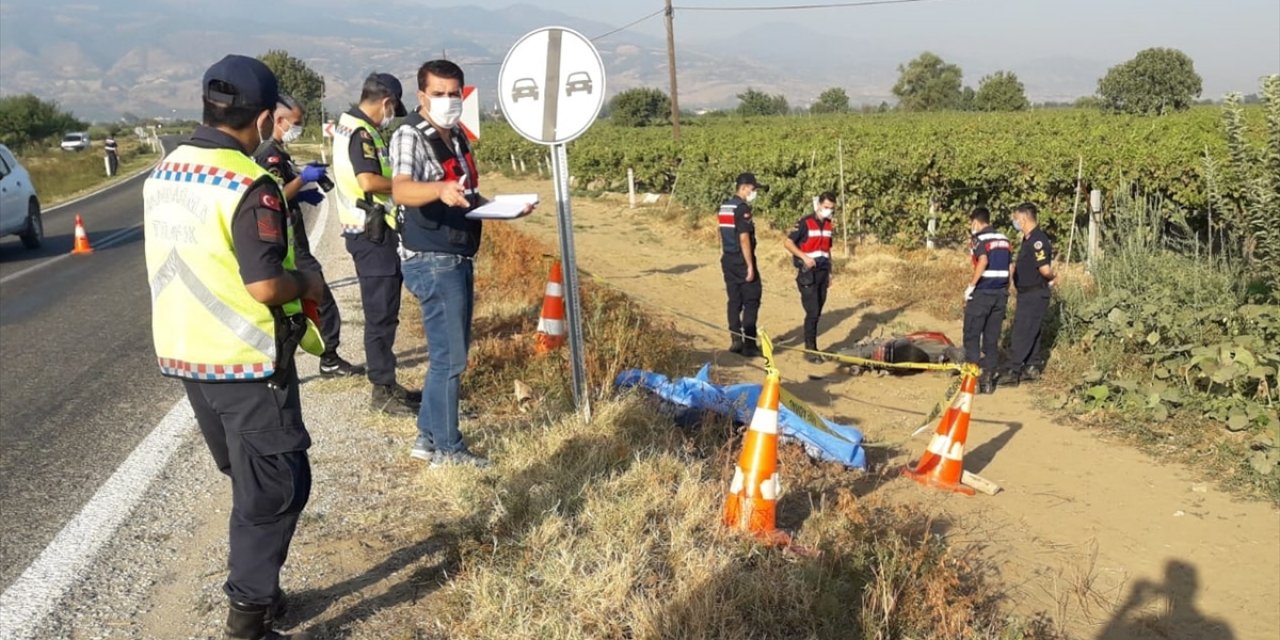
<point>1154,82</point>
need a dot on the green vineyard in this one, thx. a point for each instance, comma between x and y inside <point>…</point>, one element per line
<point>895,164</point>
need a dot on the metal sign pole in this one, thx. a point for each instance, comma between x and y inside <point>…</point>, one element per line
<point>573,305</point>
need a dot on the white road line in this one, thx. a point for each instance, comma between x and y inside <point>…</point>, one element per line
<point>30,599</point>
<point>101,244</point>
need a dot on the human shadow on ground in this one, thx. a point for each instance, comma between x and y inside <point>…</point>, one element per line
<point>867,326</point>
<point>977,459</point>
<point>1165,610</point>
<point>829,321</point>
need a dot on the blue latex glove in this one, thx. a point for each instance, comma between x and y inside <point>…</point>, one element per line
<point>312,172</point>
<point>312,197</point>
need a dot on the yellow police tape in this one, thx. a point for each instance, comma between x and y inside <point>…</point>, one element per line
<point>767,349</point>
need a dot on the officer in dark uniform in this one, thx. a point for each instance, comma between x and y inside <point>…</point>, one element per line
<point>113,156</point>
<point>809,244</point>
<point>987,297</point>
<point>362,173</point>
<point>221,276</point>
<point>275,157</point>
<point>738,262</point>
<point>1033,277</point>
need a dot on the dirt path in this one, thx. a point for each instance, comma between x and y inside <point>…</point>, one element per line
<point>1110,542</point>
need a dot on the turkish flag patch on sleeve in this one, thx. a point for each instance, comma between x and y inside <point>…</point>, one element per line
<point>269,201</point>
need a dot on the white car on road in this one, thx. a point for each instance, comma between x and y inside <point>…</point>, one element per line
<point>19,206</point>
<point>78,141</point>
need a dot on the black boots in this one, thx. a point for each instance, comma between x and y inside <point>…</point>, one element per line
<point>395,400</point>
<point>736,345</point>
<point>987,384</point>
<point>253,622</point>
<point>813,358</point>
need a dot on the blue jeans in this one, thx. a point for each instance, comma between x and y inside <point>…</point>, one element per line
<point>444,285</point>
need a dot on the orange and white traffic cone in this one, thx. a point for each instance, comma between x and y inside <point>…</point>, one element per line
<point>82,239</point>
<point>942,465</point>
<point>551,328</point>
<point>752,504</point>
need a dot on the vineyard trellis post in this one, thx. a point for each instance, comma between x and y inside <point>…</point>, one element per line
<point>631,186</point>
<point>933,223</point>
<point>1095,211</point>
<point>844,202</point>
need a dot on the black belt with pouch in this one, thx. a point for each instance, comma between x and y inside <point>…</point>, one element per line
<point>290,330</point>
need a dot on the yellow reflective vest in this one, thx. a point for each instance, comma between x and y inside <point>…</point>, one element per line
<point>204,323</point>
<point>344,174</point>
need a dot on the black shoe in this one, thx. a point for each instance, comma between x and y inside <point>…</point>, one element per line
<point>736,346</point>
<point>1011,378</point>
<point>1032,373</point>
<point>386,401</point>
<point>278,608</point>
<point>462,457</point>
<point>412,397</point>
<point>751,350</point>
<point>987,385</point>
<point>250,622</point>
<point>335,367</point>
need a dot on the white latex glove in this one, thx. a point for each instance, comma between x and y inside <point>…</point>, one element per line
<point>968,293</point>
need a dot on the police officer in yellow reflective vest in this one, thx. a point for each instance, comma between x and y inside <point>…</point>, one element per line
<point>362,173</point>
<point>227,319</point>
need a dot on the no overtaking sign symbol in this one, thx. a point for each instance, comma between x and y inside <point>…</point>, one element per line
<point>552,85</point>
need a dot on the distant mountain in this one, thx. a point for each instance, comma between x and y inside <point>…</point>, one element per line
<point>146,56</point>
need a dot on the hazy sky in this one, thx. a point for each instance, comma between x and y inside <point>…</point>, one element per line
<point>1233,42</point>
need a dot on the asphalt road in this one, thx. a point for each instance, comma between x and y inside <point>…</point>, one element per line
<point>79,386</point>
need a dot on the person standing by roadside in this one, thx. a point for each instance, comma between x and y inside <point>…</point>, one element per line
<point>362,173</point>
<point>274,156</point>
<point>1033,277</point>
<point>113,155</point>
<point>986,298</point>
<point>809,244</point>
<point>435,185</point>
<point>227,319</point>
<point>738,264</point>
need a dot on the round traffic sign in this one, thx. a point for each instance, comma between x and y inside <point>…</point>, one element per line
<point>551,86</point>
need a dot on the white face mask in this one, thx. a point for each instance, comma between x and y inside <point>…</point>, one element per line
<point>445,111</point>
<point>825,214</point>
<point>388,114</point>
<point>292,134</point>
<point>751,197</point>
<point>1017,225</point>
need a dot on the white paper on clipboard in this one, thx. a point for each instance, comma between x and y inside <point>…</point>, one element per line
<point>504,207</point>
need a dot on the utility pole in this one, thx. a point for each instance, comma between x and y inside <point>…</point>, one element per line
<point>671,67</point>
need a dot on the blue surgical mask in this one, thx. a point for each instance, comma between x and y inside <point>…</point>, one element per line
<point>1017,225</point>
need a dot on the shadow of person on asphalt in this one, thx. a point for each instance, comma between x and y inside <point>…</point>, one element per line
<point>1165,610</point>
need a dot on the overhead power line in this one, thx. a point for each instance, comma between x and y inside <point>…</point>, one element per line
<point>796,7</point>
<point>630,24</point>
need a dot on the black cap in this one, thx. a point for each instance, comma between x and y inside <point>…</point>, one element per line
<point>392,85</point>
<point>241,81</point>
<point>750,178</point>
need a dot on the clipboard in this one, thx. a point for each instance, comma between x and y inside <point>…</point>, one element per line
<point>504,207</point>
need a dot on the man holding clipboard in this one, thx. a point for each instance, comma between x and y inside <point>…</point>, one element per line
<point>435,184</point>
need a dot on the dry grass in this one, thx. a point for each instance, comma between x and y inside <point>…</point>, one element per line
<point>59,175</point>
<point>610,530</point>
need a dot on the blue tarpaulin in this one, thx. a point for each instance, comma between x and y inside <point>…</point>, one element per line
<point>828,441</point>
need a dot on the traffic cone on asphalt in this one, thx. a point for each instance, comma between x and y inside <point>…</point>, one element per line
<point>942,465</point>
<point>551,330</point>
<point>82,239</point>
<point>753,497</point>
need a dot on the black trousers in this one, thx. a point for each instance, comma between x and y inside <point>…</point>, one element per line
<point>256,436</point>
<point>983,317</point>
<point>330,317</point>
<point>1028,321</point>
<point>744,299</point>
<point>813,285</point>
<point>378,270</point>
